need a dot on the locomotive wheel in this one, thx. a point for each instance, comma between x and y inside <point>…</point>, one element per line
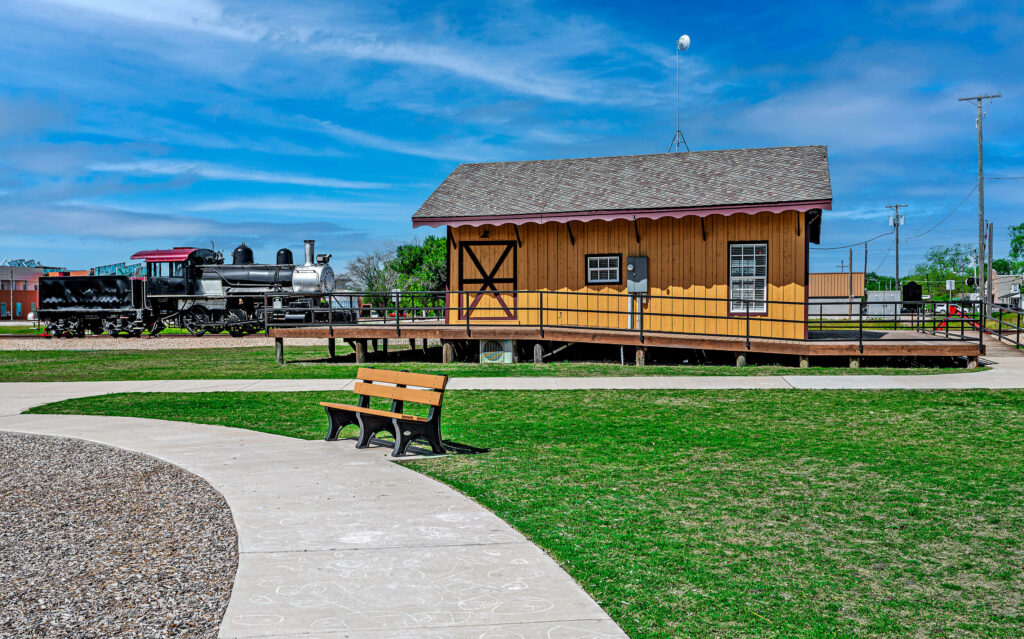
<point>236,331</point>
<point>156,327</point>
<point>74,328</point>
<point>194,321</point>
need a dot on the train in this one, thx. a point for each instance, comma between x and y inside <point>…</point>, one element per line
<point>194,289</point>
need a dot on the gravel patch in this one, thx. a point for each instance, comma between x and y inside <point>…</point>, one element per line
<point>101,542</point>
<point>163,342</point>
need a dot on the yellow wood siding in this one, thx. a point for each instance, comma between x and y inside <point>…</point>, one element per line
<point>683,266</point>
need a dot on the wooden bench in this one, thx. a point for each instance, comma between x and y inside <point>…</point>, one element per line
<point>393,385</point>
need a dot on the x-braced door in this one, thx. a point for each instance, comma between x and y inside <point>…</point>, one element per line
<point>487,277</point>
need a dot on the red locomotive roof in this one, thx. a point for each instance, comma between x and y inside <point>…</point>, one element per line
<point>177,254</point>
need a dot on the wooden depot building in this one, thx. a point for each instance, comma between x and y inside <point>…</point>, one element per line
<point>702,250</point>
<point>687,243</point>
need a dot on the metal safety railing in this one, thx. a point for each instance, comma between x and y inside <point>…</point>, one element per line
<point>640,314</point>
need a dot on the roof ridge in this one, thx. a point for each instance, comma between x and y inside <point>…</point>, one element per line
<point>650,155</point>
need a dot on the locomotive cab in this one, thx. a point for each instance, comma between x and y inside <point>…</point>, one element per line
<point>167,278</point>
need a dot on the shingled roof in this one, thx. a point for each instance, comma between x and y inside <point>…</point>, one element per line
<point>696,180</point>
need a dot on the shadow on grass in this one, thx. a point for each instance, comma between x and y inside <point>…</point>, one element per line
<point>414,451</point>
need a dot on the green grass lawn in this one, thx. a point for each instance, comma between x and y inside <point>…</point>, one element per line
<point>18,329</point>
<point>308,363</point>
<point>733,514</point>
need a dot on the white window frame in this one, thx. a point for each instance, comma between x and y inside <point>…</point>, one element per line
<point>748,277</point>
<point>608,272</point>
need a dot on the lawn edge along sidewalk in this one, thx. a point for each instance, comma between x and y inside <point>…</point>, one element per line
<point>340,541</point>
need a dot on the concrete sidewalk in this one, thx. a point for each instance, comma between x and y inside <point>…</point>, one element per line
<point>1007,372</point>
<point>339,543</point>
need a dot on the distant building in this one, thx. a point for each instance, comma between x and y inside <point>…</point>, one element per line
<point>19,294</point>
<point>121,268</point>
<point>829,294</point>
<point>1006,290</point>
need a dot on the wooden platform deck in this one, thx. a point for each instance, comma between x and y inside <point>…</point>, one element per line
<point>902,343</point>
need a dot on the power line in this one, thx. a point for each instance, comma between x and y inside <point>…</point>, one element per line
<point>844,246</point>
<point>944,218</point>
<point>886,256</point>
<point>1005,178</point>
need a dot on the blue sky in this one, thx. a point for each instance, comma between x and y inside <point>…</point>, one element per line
<point>131,124</point>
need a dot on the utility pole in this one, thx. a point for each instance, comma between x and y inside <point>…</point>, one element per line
<point>849,290</point>
<point>865,268</point>
<point>895,220</point>
<point>981,189</point>
<point>988,268</point>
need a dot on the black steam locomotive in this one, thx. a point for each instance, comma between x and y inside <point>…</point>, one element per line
<point>191,288</point>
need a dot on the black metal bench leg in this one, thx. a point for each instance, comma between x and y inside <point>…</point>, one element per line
<point>337,420</point>
<point>369,427</point>
<point>402,440</point>
<point>433,435</point>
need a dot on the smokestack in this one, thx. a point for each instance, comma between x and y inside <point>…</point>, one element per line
<point>310,257</point>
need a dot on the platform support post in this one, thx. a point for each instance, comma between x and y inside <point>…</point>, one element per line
<point>972,362</point>
<point>447,352</point>
<point>641,356</point>
<point>805,361</point>
<point>412,343</point>
<point>374,344</point>
<point>854,362</point>
<point>279,349</point>
<point>385,345</point>
<point>360,347</point>
<point>741,360</point>
<point>330,347</point>
<point>426,344</point>
<point>538,353</point>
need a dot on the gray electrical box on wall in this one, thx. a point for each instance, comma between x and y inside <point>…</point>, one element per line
<point>636,274</point>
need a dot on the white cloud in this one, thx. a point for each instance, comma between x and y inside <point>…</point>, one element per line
<point>528,53</point>
<point>198,15</point>
<point>226,173</point>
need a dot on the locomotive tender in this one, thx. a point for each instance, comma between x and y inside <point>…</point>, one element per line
<point>191,288</point>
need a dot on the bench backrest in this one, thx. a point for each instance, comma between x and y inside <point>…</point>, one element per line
<point>429,389</point>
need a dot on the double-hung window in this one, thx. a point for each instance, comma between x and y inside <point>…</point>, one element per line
<point>604,269</point>
<point>748,277</point>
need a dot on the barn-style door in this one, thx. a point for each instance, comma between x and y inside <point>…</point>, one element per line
<point>487,275</point>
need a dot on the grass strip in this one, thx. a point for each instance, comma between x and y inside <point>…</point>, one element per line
<point>742,513</point>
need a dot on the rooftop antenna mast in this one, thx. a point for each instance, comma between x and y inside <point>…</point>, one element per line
<point>682,44</point>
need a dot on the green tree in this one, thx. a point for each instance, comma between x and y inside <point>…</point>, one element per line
<point>875,282</point>
<point>1004,266</point>
<point>425,265</point>
<point>1017,241</point>
<point>943,263</point>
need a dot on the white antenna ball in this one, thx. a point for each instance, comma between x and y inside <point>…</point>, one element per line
<point>683,43</point>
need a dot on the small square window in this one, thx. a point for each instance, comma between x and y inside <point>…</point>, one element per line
<point>604,269</point>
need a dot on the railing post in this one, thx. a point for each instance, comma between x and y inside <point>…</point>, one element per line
<point>467,314</point>
<point>981,326</point>
<point>860,330</point>
<point>398,315</point>
<point>541,313</point>
<point>266,312</point>
<point>747,305</point>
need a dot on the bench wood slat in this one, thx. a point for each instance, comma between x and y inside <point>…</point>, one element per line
<point>423,380</point>
<point>415,395</point>
<point>374,411</point>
